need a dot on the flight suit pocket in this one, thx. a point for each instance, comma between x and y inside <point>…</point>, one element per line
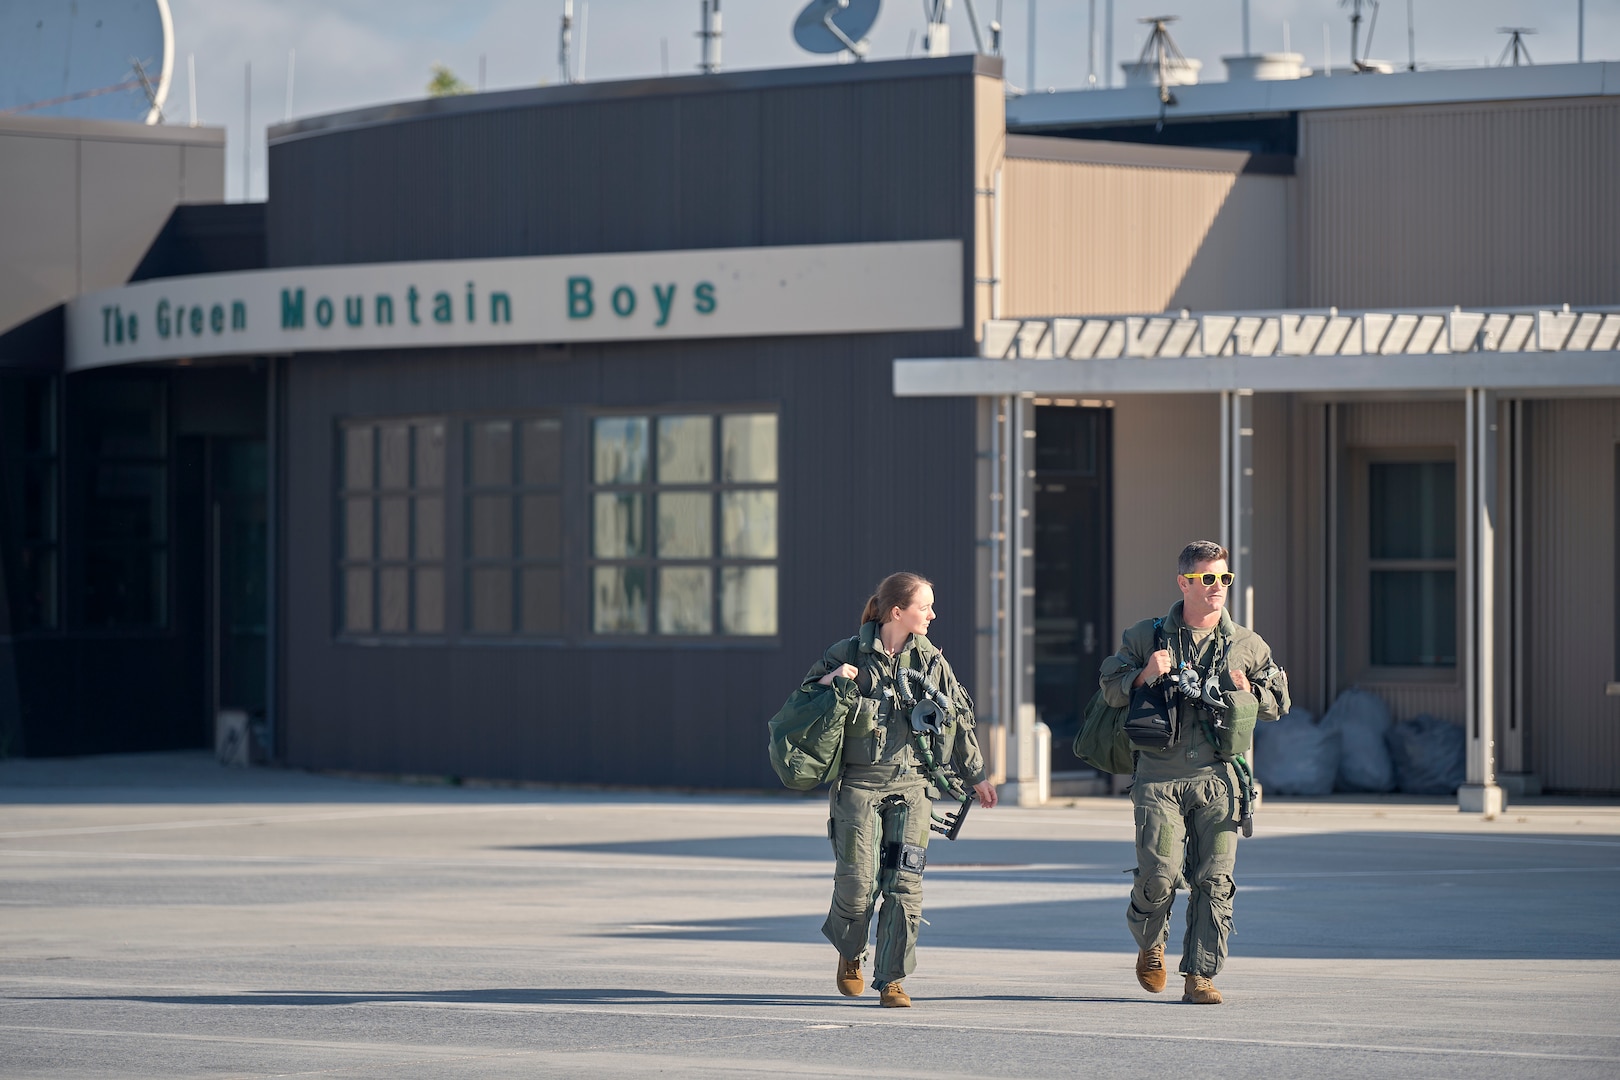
<point>864,720</point>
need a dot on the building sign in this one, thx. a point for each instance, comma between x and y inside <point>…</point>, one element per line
<point>733,292</point>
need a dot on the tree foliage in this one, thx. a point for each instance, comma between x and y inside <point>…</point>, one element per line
<point>446,83</point>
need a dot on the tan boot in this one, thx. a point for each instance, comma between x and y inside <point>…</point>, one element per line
<point>1150,969</point>
<point>1200,991</point>
<point>895,997</point>
<point>850,981</point>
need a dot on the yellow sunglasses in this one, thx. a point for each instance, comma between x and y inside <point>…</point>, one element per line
<point>1206,580</point>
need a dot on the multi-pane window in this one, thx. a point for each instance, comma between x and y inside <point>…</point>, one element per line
<point>392,513</point>
<point>1412,563</point>
<point>29,516</point>
<point>514,526</point>
<point>684,524</point>
<point>126,532</point>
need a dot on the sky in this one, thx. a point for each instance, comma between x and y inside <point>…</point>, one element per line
<point>345,54</point>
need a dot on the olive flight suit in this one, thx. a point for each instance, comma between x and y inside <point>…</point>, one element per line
<point>1186,797</point>
<point>880,802</point>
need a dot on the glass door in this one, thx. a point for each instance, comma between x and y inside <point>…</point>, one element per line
<point>1073,575</point>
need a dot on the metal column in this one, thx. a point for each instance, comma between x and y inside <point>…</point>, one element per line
<point>1480,795</point>
<point>1237,498</point>
<point>1024,765</point>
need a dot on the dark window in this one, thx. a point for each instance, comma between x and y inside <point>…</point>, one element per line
<point>1412,559</point>
<point>126,528</point>
<point>514,526</point>
<point>391,509</point>
<point>684,524</point>
<point>28,428</point>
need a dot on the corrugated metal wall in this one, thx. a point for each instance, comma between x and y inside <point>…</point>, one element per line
<point>1267,568</point>
<point>1308,589</point>
<point>1167,485</point>
<point>869,483</point>
<point>1103,238</point>
<point>1495,203</point>
<point>818,164</point>
<point>1572,727</point>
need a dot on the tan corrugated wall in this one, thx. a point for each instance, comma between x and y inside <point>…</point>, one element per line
<point>1267,569</point>
<point>1098,239</point>
<point>1307,585</point>
<point>989,144</point>
<point>1496,203</point>
<point>1167,491</point>
<point>1573,728</point>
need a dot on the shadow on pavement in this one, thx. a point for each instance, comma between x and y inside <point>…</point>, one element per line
<point>1386,895</point>
<point>194,778</point>
<point>536,996</point>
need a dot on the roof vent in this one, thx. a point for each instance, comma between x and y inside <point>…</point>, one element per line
<point>1265,67</point>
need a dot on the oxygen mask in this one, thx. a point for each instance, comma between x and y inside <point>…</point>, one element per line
<point>1199,689</point>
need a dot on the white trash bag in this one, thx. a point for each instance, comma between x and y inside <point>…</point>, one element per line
<point>1296,755</point>
<point>1363,721</point>
<point>1430,755</point>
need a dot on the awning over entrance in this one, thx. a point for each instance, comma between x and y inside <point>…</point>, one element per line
<point>1327,350</point>
<point>1477,356</point>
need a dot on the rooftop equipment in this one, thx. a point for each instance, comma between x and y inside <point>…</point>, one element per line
<point>1162,62</point>
<point>836,26</point>
<point>1516,48</point>
<point>710,36</point>
<point>93,59</point>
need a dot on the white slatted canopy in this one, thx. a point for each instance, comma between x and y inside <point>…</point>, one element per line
<point>1280,351</point>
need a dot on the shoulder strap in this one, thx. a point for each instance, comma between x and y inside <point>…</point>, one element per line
<point>863,675</point>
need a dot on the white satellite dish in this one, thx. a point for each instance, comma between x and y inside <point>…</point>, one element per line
<point>835,26</point>
<point>91,59</point>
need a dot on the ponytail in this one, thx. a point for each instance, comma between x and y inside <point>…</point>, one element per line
<point>896,590</point>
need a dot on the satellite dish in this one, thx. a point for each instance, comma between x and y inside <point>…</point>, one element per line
<point>834,26</point>
<point>91,59</point>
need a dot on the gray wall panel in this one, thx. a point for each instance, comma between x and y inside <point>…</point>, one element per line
<point>1571,509</point>
<point>869,484</point>
<point>871,161</point>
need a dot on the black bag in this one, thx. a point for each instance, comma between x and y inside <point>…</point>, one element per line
<point>1152,723</point>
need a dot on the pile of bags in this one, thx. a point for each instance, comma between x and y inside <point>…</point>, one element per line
<point>1358,746</point>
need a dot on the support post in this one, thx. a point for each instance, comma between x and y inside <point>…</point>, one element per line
<point>1330,547</point>
<point>1480,794</point>
<point>1237,498</point>
<point>1025,766</point>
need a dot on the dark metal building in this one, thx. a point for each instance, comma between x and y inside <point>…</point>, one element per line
<point>600,560</point>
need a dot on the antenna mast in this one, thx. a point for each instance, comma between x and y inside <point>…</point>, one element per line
<point>937,38</point>
<point>1515,46</point>
<point>1091,46</point>
<point>565,43</point>
<point>1355,7</point>
<point>710,35</point>
<point>1162,51</point>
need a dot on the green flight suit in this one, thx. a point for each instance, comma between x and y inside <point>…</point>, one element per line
<point>1186,797</point>
<point>882,793</point>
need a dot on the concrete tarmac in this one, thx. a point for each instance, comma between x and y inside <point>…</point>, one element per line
<point>161,916</point>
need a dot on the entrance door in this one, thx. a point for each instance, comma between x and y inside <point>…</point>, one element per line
<point>238,571</point>
<point>1073,572</point>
